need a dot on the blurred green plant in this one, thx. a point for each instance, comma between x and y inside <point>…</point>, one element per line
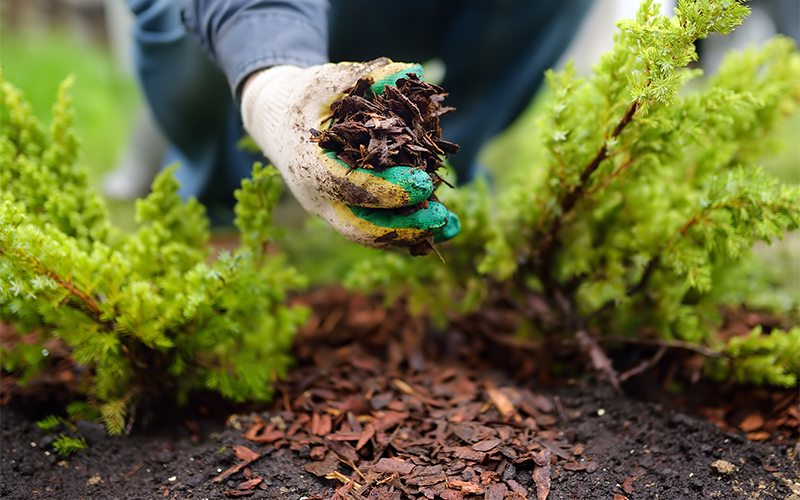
<point>37,63</point>
<point>146,312</point>
<point>636,204</point>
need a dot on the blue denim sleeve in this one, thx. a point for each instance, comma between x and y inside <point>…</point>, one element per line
<point>244,36</point>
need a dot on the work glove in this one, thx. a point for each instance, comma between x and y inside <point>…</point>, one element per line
<point>280,107</point>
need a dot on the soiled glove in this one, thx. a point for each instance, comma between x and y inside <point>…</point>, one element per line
<point>280,106</point>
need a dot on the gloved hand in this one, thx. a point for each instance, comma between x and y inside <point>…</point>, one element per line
<point>280,106</point>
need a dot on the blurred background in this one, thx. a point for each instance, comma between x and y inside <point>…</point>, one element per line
<point>43,41</point>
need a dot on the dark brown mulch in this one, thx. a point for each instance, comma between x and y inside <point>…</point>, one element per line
<point>398,126</point>
<point>382,407</point>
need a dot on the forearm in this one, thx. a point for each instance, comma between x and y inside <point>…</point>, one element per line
<point>244,36</point>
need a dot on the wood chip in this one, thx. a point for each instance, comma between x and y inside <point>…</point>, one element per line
<point>496,492</point>
<point>366,434</point>
<point>517,488</point>
<point>245,454</point>
<point>466,453</point>
<point>575,466</point>
<point>465,486</point>
<point>541,476</point>
<point>324,467</point>
<point>486,445</point>
<point>393,466</point>
<point>752,422</point>
<point>500,400</point>
<point>250,483</point>
<point>451,494</point>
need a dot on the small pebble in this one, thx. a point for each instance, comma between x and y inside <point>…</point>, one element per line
<point>723,467</point>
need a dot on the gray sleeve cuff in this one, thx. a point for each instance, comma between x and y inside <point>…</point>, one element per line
<point>244,36</point>
<point>259,40</point>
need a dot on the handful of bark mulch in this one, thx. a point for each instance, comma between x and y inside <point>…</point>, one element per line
<point>397,128</point>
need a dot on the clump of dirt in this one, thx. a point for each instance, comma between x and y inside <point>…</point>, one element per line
<point>396,127</point>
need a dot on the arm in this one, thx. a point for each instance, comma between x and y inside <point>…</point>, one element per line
<point>244,36</point>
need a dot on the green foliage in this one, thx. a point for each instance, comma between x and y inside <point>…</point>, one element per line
<point>51,421</point>
<point>82,410</point>
<point>773,358</point>
<point>636,204</point>
<point>105,99</point>
<point>148,313</point>
<point>66,446</point>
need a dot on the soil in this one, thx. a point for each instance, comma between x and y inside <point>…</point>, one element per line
<point>381,392</point>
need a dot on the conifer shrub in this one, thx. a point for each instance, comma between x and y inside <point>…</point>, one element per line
<point>148,314</point>
<point>635,206</point>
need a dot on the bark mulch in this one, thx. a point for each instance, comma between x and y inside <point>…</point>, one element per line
<point>383,407</point>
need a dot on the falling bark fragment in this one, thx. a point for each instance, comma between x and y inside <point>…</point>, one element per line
<point>541,476</point>
<point>617,496</point>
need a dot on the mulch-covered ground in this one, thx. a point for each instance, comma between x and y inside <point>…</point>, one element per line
<point>383,407</point>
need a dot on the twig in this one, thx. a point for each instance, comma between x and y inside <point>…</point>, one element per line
<point>577,192</point>
<point>644,365</point>
<point>560,409</point>
<point>131,420</point>
<point>94,311</point>
<point>132,472</point>
<point>598,357</point>
<point>689,224</point>
<point>669,344</point>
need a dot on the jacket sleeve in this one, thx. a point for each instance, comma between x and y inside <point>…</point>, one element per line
<point>244,36</point>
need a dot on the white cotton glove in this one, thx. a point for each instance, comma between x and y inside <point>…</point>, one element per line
<point>282,104</point>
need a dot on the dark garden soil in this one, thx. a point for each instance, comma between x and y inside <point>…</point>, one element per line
<point>380,406</point>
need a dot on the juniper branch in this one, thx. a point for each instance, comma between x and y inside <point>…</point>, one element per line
<point>93,311</point>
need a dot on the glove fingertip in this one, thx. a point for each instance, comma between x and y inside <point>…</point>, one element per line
<point>450,230</point>
<point>388,75</point>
